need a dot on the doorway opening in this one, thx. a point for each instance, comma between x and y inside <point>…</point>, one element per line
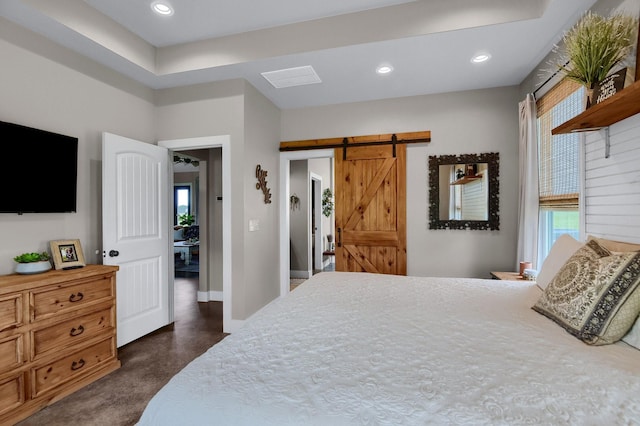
<point>188,212</point>
<point>285,185</point>
<point>206,288</point>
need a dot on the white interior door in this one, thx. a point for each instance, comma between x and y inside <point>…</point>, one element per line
<point>135,227</point>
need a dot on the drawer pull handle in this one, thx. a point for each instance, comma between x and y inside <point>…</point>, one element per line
<point>76,297</point>
<point>77,365</point>
<point>76,331</point>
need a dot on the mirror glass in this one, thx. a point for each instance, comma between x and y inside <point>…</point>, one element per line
<point>463,191</point>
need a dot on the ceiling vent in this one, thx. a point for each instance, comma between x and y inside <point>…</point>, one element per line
<point>290,77</point>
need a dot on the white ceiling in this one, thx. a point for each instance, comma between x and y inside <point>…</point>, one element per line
<point>429,43</point>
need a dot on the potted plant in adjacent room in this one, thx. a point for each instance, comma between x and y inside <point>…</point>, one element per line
<point>595,46</point>
<point>327,209</point>
<point>185,219</point>
<point>327,202</point>
<point>32,263</point>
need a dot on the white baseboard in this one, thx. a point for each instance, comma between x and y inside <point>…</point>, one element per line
<point>300,274</point>
<point>232,326</point>
<point>209,296</point>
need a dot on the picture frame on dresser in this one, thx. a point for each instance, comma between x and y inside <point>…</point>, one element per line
<point>67,254</point>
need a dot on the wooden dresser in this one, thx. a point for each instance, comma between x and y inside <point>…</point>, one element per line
<point>57,335</point>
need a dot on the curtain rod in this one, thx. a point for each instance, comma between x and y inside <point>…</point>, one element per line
<point>548,79</point>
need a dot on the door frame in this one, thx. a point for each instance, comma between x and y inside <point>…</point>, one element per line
<point>224,142</point>
<point>285,160</point>
<point>315,189</point>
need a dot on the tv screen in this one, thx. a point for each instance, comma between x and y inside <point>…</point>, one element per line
<point>39,170</point>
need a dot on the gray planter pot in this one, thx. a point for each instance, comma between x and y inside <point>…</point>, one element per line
<point>33,267</point>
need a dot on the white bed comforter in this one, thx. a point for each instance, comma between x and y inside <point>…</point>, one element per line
<point>365,349</point>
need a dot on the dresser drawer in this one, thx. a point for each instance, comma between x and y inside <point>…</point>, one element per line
<point>71,332</point>
<point>12,393</point>
<point>72,366</point>
<point>10,311</point>
<point>57,335</point>
<point>52,300</point>
<point>11,352</point>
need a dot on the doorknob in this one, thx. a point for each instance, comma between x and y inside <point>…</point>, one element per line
<point>113,253</point>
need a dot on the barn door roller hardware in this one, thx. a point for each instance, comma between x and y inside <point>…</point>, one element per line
<point>357,141</point>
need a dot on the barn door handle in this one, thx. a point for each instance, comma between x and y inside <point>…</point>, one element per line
<point>339,237</point>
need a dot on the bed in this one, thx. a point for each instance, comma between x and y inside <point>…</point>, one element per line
<point>366,349</point>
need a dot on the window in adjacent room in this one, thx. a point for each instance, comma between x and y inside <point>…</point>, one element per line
<point>559,168</point>
<point>181,202</point>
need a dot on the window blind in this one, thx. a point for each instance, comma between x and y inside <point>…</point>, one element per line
<point>559,172</point>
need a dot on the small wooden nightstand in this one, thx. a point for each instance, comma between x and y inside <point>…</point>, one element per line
<point>511,276</point>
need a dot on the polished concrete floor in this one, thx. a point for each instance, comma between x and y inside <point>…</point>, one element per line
<point>147,364</point>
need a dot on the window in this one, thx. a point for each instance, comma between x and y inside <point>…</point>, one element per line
<point>559,165</point>
<point>181,201</point>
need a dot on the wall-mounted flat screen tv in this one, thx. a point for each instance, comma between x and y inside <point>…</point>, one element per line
<point>38,172</point>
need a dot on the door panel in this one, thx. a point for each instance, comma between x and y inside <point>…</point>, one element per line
<point>135,233</point>
<point>371,209</point>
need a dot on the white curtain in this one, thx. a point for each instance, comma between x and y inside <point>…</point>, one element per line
<point>529,196</point>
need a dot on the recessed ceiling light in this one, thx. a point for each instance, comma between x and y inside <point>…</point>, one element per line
<point>162,8</point>
<point>384,69</point>
<point>480,58</point>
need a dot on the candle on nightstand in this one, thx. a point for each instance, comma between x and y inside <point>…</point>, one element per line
<point>523,266</point>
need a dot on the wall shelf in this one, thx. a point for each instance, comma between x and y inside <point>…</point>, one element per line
<point>622,105</point>
<point>466,180</point>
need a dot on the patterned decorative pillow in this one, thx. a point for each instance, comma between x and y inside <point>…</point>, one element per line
<point>596,294</point>
<point>616,246</point>
<point>560,252</point>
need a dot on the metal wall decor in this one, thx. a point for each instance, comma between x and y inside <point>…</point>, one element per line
<point>295,202</point>
<point>492,161</point>
<point>261,175</point>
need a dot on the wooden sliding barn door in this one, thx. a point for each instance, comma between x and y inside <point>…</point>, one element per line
<point>370,200</point>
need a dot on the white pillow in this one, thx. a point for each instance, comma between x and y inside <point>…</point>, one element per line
<point>633,336</point>
<point>178,234</point>
<point>560,252</point>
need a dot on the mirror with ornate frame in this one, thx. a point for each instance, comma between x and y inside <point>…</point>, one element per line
<point>464,191</point>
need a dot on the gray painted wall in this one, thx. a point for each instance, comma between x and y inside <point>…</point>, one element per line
<point>83,100</point>
<point>262,257</point>
<point>461,122</point>
<point>41,93</point>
